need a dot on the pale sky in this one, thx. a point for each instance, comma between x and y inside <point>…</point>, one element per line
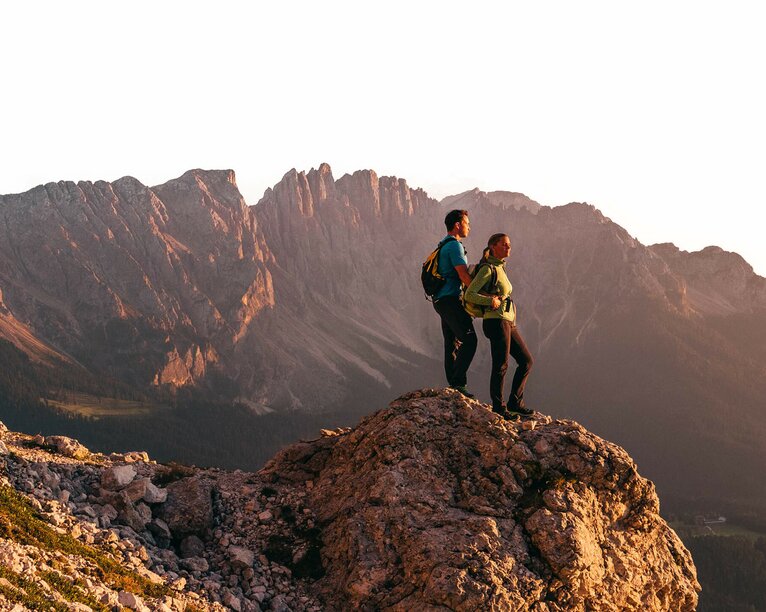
<point>652,111</point>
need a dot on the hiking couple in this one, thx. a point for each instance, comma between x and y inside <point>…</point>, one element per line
<point>487,294</point>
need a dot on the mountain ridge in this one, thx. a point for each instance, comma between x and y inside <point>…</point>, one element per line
<point>184,291</point>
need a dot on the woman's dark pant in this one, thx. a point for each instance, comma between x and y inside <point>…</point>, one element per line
<point>459,339</point>
<point>504,340</point>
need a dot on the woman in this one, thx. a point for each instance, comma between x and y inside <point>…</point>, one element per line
<point>491,290</point>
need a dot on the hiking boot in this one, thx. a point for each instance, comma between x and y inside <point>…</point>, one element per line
<point>462,389</point>
<point>500,411</point>
<point>521,410</point>
<point>507,414</point>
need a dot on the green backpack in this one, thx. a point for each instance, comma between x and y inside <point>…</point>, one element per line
<point>476,310</point>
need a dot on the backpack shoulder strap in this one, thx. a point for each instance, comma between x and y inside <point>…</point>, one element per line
<point>446,240</point>
<point>490,285</point>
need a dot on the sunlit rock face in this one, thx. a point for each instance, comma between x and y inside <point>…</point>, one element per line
<point>436,503</point>
<point>148,284</point>
<point>177,285</point>
<point>717,282</point>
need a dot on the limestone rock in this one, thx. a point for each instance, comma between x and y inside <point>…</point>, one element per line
<point>189,507</point>
<point>437,503</point>
<point>160,530</point>
<point>136,457</point>
<point>154,494</point>
<point>230,600</point>
<point>136,517</point>
<point>191,546</point>
<point>129,600</point>
<point>136,490</point>
<point>241,558</point>
<point>68,447</point>
<point>117,477</point>
<point>195,564</point>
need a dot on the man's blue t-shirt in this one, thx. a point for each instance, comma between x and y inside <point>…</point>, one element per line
<point>451,255</point>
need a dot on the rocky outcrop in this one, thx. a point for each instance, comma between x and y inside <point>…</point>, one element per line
<point>96,523</point>
<point>437,503</point>
<point>434,503</point>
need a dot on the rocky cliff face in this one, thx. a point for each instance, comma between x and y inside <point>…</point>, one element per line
<point>149,285</point>
<point>432,503</point>
<point>716,282</point>
<point>177,285</point>
<point>352,244</point>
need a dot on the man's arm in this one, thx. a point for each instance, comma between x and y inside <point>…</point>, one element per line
<point>462,272</point>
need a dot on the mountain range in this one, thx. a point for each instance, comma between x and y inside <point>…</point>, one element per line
<point>309,300</point>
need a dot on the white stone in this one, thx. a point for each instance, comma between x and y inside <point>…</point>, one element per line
<point>136,457</point>
<point>129,600</point>
<point>528,425</point>
<point>154,494</point>
<point>117,477</point>
<point>68,447</point>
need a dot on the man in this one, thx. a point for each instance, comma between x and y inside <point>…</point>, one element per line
<point>457,324</point>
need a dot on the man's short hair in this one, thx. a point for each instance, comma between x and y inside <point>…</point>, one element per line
<point>454,216</point>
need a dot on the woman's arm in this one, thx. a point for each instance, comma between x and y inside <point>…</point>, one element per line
<point>477,284</point>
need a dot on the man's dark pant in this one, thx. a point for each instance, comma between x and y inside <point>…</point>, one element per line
<point>459,339</point>
<point>504,340</point>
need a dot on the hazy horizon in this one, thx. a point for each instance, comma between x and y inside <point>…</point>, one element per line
<point>652,113</point>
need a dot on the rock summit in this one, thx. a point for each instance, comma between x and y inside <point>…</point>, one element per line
<point>436,503</point>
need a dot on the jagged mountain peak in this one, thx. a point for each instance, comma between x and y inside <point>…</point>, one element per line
<point>711,255</point>
<point>313,293</point>
<point>718,282</point>
<point>197,175</point>
<point>504,200</point>
<point>362,194</point>
<point>454,201</point>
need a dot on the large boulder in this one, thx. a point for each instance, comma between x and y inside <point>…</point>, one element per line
<point>189,507</point>
<point>437,503</point>
<point>68,447</point>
